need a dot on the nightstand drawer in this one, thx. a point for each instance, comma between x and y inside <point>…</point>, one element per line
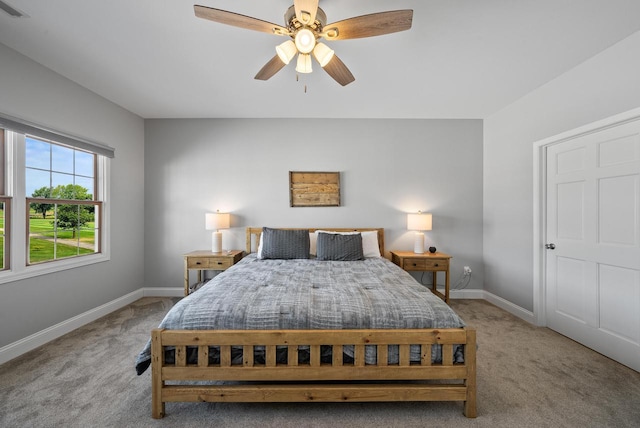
<point>425,265</point>
<point>214,263</point>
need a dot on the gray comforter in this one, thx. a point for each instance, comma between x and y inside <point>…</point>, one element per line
<point>310,294</point>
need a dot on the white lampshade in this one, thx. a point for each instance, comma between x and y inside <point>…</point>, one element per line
<point>304,63</point>
<point>419,222</point>
<point>216,221</point>
<point>323,54</point>
<point>286,51</point>
<point>305,41</point>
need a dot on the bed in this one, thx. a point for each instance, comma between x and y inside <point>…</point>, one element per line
<point>381,353</point>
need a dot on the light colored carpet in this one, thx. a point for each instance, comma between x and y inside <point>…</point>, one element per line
<point>527,377</point>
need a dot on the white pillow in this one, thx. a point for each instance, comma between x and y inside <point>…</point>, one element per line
<point>370,246</point>
<point>313,240</point>
<point>259,252</point>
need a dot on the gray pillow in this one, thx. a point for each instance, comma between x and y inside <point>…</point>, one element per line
<point>285,244</point>
<point>333,246</point>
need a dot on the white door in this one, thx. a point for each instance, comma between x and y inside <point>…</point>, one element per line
<point>593,221</point>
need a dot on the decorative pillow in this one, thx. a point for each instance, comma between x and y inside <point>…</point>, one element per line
<point>313,239</point>
<point>284,244</point>
<point>334,246</point>
<point>370,247</point>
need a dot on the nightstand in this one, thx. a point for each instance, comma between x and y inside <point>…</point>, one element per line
<point>206,260</point>
<point>427,262</point>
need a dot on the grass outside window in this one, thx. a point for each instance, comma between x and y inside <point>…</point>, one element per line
<point>48,242</point>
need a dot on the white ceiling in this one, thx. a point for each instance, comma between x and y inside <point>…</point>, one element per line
<point>461,59</point>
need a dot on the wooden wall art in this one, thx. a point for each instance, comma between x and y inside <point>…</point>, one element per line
<point>314,189</point>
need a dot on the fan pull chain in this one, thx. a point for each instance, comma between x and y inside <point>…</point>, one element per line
<point>298,79</point>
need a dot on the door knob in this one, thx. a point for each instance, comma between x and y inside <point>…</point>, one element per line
<point>550,246</point>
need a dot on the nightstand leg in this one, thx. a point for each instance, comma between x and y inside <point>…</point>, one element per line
<point>434,281</point>
<point>446,286</point>
<point>186,279</point>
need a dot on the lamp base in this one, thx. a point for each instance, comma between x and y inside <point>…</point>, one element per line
<point>216,242</point>
<point>418,245</point>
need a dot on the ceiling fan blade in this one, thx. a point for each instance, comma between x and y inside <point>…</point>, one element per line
<point>237,20</point>
<point>340,73</point>
<point>375,24</point>
<point>309,7</point>
<point>274,65</point>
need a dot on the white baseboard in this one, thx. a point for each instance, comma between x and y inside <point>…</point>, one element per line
<point>510,307</point>
<point>496,300</point>
<point>163,292</point>
<point>465,294</point>
<point>29,343</point>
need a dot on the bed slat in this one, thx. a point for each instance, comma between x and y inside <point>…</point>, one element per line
<point>247,355</point>
<point>311,393</point>
<point>300,337</point>
<point>425,355</point>
<point>358,356</point>
<point>225,356</point>
<point>292,355</point>
<point>270,356</point>
<point>447,355</point>
<point>203,356</point>
<point>314,358</point>
<point>405,355</point>
<point>181,356</point>
<point>337,355</point>
<point>383,355</point>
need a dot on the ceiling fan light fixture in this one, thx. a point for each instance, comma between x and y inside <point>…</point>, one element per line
<point>286,51</point>
<point>323,54</point>
<point>305,40</point>
<point>304,63</point>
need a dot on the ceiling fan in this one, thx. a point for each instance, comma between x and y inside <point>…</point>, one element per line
<point>305,24</point>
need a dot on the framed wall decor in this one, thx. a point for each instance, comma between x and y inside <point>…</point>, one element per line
<point>314,189</point>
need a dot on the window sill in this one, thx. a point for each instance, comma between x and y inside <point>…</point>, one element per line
<point>51,267</point>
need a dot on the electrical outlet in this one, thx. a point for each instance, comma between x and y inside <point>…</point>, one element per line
<point>467,271</point>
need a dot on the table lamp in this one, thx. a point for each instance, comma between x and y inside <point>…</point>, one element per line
<point>419,222</point>
<point>216,221</point>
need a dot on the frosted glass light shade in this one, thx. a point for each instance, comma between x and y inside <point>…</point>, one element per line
<point>305,41</point>
<point>304,63</point>
<point>286,51</point>
<point>323,54</point>
<point>419,221</point>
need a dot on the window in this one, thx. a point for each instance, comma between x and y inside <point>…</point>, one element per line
<point>62,205</point>
<point>53,201</point>
<point>4,225</point>
<point>5,209</point>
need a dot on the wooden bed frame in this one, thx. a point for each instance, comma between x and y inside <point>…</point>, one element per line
<point>315,380</point>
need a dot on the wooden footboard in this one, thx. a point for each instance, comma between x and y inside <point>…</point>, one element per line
<point>272,380</point>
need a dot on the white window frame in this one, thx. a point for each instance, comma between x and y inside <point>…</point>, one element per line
<point>15,163</point>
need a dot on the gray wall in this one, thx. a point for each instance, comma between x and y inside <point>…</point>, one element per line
<point>388,168</point>
<point>602,86</point>
<point>34,93</point>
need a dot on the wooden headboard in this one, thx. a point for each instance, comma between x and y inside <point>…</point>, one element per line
<point>253,235</point>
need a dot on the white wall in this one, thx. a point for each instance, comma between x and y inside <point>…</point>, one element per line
<point>603,86</point>
<point>35,93</point>
<point>388,168</point>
